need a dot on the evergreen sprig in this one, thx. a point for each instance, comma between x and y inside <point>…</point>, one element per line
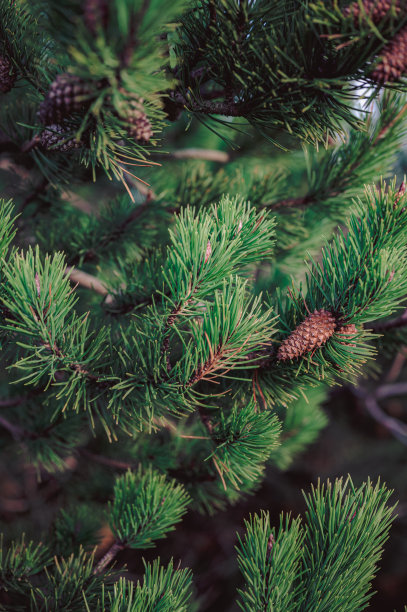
<point>345,529</point>
<point>211,245</point>
<point>270,561</point>
<point>19,561</point>
<point>244,440</point>
<point>68,581</point>
<point>327,563</point>
<point>163,588</point>
<point>306,89</point>
<point>145,508</point>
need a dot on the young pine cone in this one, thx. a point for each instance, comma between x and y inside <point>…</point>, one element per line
<point>346,333</point>
<point>139,126</point>
<point>7,75</point>
<point>312,333</point>
<point>67,94</point>
<point>54,138</point>
<point>375,10</point>
<point>393,61</point>
<point>96,14</point>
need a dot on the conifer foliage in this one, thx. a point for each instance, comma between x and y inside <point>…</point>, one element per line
<point>162,340</point>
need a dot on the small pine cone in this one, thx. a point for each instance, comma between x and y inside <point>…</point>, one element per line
<point>347,332</point>
<point>54,137</point>
<point>96,14</point>
<point>312,333</point>
<point>139,126</point>
<point>376,10</point>
<point>393,61</point>
<point>7,75</point>
<point>67,94</point>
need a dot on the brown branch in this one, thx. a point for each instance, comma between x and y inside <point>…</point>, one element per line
<point>395,323</point>
<point>289,202</point>
<point>30,144</point>
<point>397,428</point>
<point>108,557</point>
<point>112,463</point>
<point>195,153</point>
<point>33,195</point>
<point>18,433</point>
<point>86,280</point>
<point>12,401</point>
<point>391,390</point>
<point>388,127</point>
<point>136,213</point>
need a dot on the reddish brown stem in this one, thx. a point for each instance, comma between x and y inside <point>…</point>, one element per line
<point>108,557</point>
<point>112,463</point>
<point>396,323</point>
<point>16,431</point>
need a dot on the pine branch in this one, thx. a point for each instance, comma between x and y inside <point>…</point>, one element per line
<point>397,428</point>
<point>228,109</point>
<point>18,433</point>
<point>395,323</point>
<point>108,557</point>
<point>211,155</point>
<point>328,188</point>
<point>390,389</point>
<point>86,280</point>
<point>12,401</point>
<point>42,186</point>
<point>108,461</point>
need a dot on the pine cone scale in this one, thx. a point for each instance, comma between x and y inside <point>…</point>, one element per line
<point>376,10</point>
<point>393,62</point>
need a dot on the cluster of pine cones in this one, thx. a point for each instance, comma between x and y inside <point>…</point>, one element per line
<point>392,63</point>
<point>69,94</point>
<point>312,333</point>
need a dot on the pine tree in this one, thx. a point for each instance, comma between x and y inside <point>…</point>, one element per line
<point>163,340</point>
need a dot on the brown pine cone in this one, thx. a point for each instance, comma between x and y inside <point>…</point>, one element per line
<point>312,333</point>
<point>393,61</point>
<point>7,75</point>
<point>96,14</point>
<point>376,10</point>
<point>67,94</point>
<point>54,137</point>
<point>139,126</point>
<point>347,332</point>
